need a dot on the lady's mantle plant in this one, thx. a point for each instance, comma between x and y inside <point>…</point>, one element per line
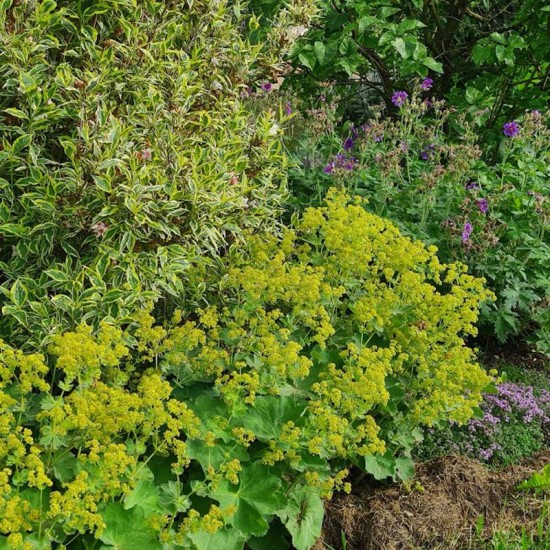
<point>330,347</point>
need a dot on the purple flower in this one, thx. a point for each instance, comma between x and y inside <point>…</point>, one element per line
<point>427,103</point>
<point>535,114</point>
<point>426,153</point>
<point>472,185</point>
<point>348,144</point>
<point>342,161</point>
<point>511,129</point>
<point>483,205</point>
<point>329,168</point>
<point>266,86</point>
<point>288,109</point>
<point>466,232</point>
<point>378,137</point>
<point>427,83</point>
<point>399,98</point>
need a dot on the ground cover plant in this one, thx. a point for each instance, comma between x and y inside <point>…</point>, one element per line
<point>330,347</point>
<point>425,170</point>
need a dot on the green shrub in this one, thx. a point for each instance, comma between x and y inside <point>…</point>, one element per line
<point>424,171</point>
<point>331,347</point>
<point>128,152</point>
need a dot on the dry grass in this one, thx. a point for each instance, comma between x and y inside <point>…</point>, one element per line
<point>456,492</point>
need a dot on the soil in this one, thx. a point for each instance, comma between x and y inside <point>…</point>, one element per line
<point>493,354</point>
<point>441,512</point>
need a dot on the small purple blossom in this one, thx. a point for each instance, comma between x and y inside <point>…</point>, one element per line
<point>427,152</point>
<point>288,109</point>
<point>536,114</point>
<point>466,232</point>
<point>341,161</point>
<point>427,104</point>
<point>483,205</point>
<point>378,137</point>
<point>511,129</point>
<point>399,98</point>
<point>427,83</point>
<point>329,168</point>
<point>472,185</point>
<point>348,144</point>
<point>266,86</point>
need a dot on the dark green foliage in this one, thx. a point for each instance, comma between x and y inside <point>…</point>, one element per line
<point>498,52</point>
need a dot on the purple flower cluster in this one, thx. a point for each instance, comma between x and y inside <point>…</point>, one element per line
<point>510,399</point>
<point>486,454</point>
<point>466,232</point>
<point>522,399</point>
<point>427,152</point>
<point>399,98</point>
<point>472,185</point>
<point>427,83</point>
<point>511,129</point>
<point>342,161</point>
<point>348,144</point>
<point>483,205</point>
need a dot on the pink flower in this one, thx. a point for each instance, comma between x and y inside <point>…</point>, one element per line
<point>100,228</point>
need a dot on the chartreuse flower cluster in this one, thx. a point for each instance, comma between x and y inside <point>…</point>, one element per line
<point>328,347</point>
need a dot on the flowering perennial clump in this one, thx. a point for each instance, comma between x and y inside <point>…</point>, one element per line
<point>327,344</point>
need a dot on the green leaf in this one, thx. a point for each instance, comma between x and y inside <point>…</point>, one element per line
<point>308,59</point>
<point>401,47</point>
<point>13,229</point>
<point>126,529</point>
<point>303,517</point>
<point>145,494</point>
<point>432,64</point>
<point>319,49</point>
<point>172,498</point>
<point>19,293</point>
<point>4,212</point>
<point>57,275</point>
<point>380,466</point>
<point>539,481</point>
<point>269,413</point>
<point>65,466</point>
<point>257,494</point>
<point>17,113</point>
<point>404,468</point>
<point>365,22</point>
<point>215,456</point>
<point>225,539</point>
<point>20,143</point>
